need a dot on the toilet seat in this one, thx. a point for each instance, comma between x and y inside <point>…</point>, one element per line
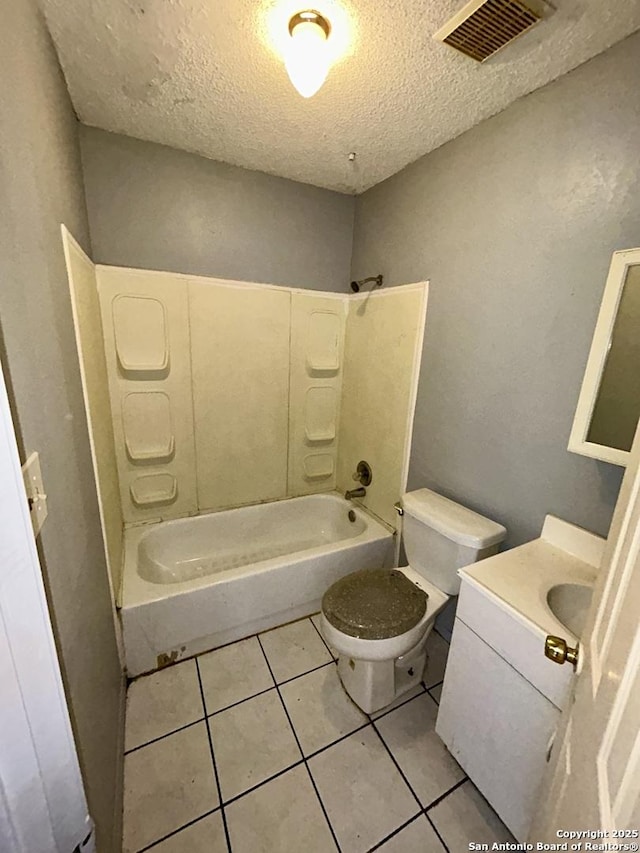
<point>392,647</point>
<point>374,604</point>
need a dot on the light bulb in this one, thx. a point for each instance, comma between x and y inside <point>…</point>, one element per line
<point>307,59</point>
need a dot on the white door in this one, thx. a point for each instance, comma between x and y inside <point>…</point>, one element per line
<point>593,781</point>
<point>42,802</point>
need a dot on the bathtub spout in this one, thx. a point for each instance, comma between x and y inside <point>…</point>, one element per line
<point>360,492</point>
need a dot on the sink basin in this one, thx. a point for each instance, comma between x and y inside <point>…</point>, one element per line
<point>569,603</point>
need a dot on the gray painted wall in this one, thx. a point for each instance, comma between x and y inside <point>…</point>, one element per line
<point>155,207</point>
<point>40,187</point>
<point>514,223</point>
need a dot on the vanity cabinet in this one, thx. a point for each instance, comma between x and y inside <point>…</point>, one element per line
<point>497,725</point>
<point>502,698</point>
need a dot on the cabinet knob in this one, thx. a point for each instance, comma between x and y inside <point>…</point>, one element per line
<point>557,650</point>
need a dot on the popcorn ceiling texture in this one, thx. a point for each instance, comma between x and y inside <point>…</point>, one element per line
<point>206,77</point>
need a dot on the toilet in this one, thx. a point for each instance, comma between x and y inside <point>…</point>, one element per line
<point>378,620</point>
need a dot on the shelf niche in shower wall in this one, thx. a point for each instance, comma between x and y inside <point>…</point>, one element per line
<point>320,414</point>
<point>141,340</point>
<point>154,490</point>
<point>317,346</point>
<point>146,331</point>
<point>147,426</point>
<point>325,332</point>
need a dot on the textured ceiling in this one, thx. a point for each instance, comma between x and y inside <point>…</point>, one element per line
<point>206,76</point>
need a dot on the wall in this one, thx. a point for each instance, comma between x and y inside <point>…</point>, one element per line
<point>382,342</point>
<point>514,224</point>
<point>154,207</point>
<point>40,187</point>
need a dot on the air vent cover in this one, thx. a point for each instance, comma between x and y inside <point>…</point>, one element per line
<point>483,27</point>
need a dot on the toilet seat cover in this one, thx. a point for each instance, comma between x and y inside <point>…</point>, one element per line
<point>374,604</point>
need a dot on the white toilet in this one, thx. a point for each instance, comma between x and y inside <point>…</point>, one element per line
<point>378,620</point>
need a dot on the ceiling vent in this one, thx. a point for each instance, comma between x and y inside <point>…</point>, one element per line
<point>484,27</point>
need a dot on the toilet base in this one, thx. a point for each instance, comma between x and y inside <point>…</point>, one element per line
<point>375,684</point>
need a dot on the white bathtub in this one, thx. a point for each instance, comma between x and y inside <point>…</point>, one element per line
<point>197,583</point>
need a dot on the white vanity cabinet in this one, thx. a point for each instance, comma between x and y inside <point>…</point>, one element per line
<point>502,699</point>
<point>497,726</point>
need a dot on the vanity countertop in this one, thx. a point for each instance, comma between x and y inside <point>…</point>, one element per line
<point>504,598</point>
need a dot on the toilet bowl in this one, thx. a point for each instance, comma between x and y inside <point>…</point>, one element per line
<point>378,620</point>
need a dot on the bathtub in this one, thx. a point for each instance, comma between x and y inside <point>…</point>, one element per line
<point>196,583</point>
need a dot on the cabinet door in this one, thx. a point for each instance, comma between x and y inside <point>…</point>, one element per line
<point>497,726</point>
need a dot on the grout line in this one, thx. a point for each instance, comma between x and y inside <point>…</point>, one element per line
<point>429,689</point>
<point>439,799</point>
<point>226,708</point>
<point>213,760</point>
<point>162,737</point>
<point>401,705</point>
<point>304,760</point>
<point>267,689</point>
<point>435,829</point>
<point>176,831</point>
<point>395,832</point>
<point>400,771</point>
<point>241,701</point>
<point>335,742</point>
<point>196,655</point>
<point>319,632</point>
<point>308,672</point>
<point>255,787</point>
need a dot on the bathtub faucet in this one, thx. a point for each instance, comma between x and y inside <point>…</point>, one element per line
<point>360,492</point>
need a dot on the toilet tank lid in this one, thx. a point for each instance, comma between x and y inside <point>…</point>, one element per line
<point>456,522</point>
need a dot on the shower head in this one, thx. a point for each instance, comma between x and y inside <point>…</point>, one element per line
<point>356,286</point>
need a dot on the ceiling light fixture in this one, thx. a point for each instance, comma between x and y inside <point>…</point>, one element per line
<point>307,59</point>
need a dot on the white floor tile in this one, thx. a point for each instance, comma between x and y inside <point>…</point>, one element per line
<point>282,816</point>
<point>251,742</point>
<point>362,791</point>
<point>294,649</point>
<point>205,836</point>
<point>233,673</point>
<point>167,784</point>
<point>418,837</point>
<point>410,694</point>
<point>466,816</point>
<point>410,734</point>
<point>320,710</point>
<point>437,653</point>
<point>161,703</point>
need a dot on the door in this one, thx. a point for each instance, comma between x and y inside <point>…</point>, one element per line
<point>593,780</point>
<point>42,801</point>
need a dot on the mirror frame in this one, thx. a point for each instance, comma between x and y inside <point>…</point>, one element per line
<point>620,262</point>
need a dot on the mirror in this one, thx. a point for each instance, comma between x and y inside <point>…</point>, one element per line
<point>609,404</point>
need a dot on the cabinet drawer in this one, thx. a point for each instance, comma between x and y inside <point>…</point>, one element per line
<point>514,638</point>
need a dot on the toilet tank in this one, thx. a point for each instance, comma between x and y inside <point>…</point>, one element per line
<point>441,536</point>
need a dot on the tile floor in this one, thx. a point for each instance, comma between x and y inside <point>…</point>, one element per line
<point>256,748</point>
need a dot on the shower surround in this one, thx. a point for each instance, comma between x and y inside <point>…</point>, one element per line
<point>231,405</point>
